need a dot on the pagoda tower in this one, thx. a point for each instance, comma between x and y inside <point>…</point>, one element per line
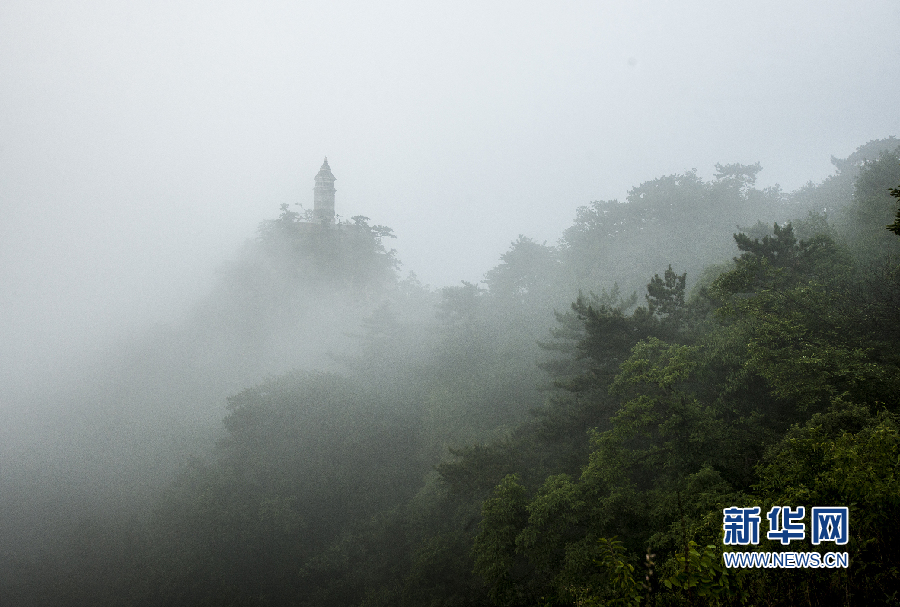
<point>323,195</point>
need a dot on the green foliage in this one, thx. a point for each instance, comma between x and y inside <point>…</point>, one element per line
<point>344,254</point>
<point>744,175</point>
<point>306,457</point>
<point>895,227</point>
<point>554,515</point>
<point>665,297</point>
<point>804,331</point>
<point>621,589</point>
<point>603,316</point>
<point>850,456</point>
<point>702,573</point>
<point>874,207</point>
<point>622,585</point>
<point>495,546</point>
<point>661,427</point>
<point>525,273</point>
<point>685,414</point>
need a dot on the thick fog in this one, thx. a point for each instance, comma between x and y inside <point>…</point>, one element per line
<point>140,143</point>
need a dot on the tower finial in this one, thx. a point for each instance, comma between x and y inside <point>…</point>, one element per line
<point>323,197</point>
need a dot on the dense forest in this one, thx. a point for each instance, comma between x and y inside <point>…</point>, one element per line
<point>565,432</point>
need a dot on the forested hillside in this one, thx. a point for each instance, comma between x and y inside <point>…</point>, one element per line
<point>566,432</point>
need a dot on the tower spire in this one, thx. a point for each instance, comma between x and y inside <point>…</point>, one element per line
<point>323,194</point>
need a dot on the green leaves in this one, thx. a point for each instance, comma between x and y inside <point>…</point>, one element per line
<point>665,297</point>
<point>621,589</point>
<point>844,455</point>
<point>895,227</point>
<point>661,428</point>
<point>544,547</point>
<point>495,546</point>
<point>701,572</point>
<point>654,363</point>
<point>873,206</point>
<point>850,457</point>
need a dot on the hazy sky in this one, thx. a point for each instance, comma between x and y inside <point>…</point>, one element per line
<point>142,142</point>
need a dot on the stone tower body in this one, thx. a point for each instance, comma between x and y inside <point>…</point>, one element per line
<point>323,195</point>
